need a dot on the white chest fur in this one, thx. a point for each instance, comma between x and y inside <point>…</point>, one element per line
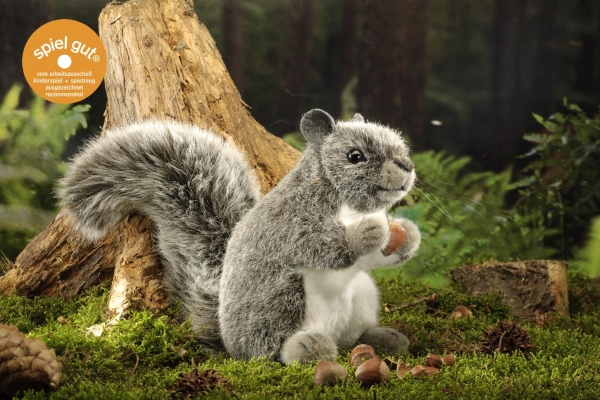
<point>343,303</point>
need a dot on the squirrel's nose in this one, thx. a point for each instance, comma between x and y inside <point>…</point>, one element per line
<point>392,177</point>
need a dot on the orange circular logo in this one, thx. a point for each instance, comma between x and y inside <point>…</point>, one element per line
<point>64,61</point>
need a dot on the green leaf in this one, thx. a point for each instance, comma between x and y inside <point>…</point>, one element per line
<point>538,118</point>
<point>11,100</point>
<point>591,251</point>
<point>534,137</point>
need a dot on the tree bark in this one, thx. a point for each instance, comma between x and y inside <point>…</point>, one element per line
<point>18,20</point>
<point>162,63</point>
<point>393,65</point>
<point>534,289</point>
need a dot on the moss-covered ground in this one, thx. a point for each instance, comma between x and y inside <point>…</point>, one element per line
<point>141,357</point>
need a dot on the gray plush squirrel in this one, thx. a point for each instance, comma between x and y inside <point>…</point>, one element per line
<point>282,275</point>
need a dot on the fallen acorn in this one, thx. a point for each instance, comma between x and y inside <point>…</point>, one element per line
<point>360,354</point>
<point>433,360</point>
<point>372,372</point>
<point>432,303</point>
<point>417,370</point>
<point>461,312</point>
<point>449,359</point>
<point>330,373</point>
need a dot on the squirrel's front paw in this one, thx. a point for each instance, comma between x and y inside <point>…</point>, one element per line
<point>413,238</point>
<point>306,347</point>
<point>366,235</point>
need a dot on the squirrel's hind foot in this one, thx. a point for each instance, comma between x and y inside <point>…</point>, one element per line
<point>385,340</point>
<point>306,347</point>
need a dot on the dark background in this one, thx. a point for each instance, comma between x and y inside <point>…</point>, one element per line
<point>462,76</point>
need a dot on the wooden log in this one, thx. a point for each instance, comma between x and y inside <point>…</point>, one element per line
<point>534,289</point>
<point>161,63</point>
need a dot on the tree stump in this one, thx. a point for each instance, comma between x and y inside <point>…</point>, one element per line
<point>161,63</point>
<point>534,289</point>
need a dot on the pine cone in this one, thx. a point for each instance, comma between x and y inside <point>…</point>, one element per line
<point>507,337</point>
<point>25,363</point>
<point>189,385</point>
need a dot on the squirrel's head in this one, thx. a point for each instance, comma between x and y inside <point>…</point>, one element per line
<point>367,163</point>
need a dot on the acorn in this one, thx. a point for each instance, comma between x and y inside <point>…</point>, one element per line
<point>396,239</point>
<point>461,312</point>
<point>430,371</point>
<point>432,303</point>
<point>330,373</point>
<point>449,359</point>
<point>433,360</point>
<point>360,354</point>
<point>417,370</point>
<point>372,372</point>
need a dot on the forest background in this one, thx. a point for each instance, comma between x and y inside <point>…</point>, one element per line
<point>467,81</point>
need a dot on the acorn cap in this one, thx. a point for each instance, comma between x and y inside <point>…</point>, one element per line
<point>402,369</point>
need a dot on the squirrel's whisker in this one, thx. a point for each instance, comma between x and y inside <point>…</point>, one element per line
<point>457,199</point>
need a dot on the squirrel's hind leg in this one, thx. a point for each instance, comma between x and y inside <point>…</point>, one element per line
<point>306,347</point>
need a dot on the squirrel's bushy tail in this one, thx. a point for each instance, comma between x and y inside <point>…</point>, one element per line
<point>190,182</point>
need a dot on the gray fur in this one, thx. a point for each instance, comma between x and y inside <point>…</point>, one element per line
<point>223,246</point>
<point>193,185</point>
<point>357,118</point>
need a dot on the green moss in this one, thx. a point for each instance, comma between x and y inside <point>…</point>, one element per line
<point>141,357</point>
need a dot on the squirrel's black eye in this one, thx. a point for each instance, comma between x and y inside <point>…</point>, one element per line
<point>355,156</point>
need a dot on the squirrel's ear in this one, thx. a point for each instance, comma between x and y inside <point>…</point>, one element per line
<point>315,125</point>
<point>357,118</point>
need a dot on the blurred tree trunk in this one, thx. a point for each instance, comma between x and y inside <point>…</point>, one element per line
<point>18,20</point>
<point>295,64</point>
<point>340,66</point>
<point>393,65</point>
<point>507,88</point>
<point>523,30</point>
<point>161,63</point>
<point>233,41</point>
<point>588,74</point>
<point>544,70</point>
